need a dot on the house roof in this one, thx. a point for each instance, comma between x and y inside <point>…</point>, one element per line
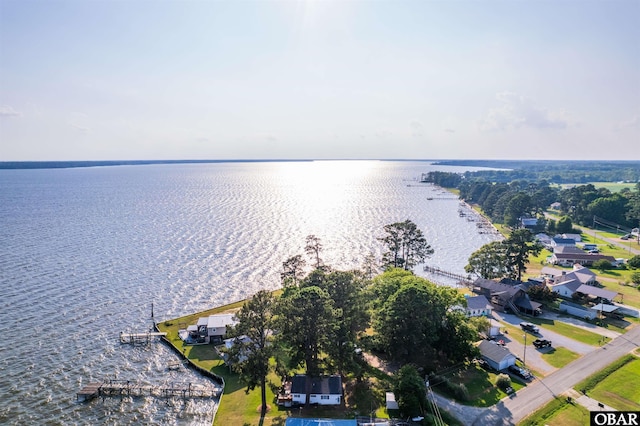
<point>478,302</point>
<point>568,249</point>
<point>583,256</point>
<point>604,307</point>
<point>220,320</point>
<point>583,277</point>
<point>597,292</point>
<point>572,284</point>
<point>565,241</point>
<point>574,237</point>
<point>494,352</point>
<point>496,288</point>
<point>529,221</point>
<point>331,385</point>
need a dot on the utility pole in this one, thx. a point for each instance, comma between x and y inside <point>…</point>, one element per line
<point>524,358</point>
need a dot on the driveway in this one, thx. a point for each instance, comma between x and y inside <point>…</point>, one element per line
<point>557,339</point>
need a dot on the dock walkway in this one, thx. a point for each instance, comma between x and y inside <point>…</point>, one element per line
<point>139,338</point>
<point>130,388</point>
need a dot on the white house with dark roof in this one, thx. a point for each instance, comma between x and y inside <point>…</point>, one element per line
<point>325,390</point>
<point>497,356</point>
<point>478,306</point>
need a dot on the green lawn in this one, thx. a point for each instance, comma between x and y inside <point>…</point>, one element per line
<point>559,357</point>
<point>621,388</point>
<point>480,384</point>
<point>571,331</point>
<point>558,412</point>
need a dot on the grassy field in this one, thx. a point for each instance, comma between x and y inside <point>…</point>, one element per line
<point>611,186</point>
<point>559,357</point>
<point>480,384</point>
<point>620,387</point>
<point>558,412</point>
<point>571,331</point>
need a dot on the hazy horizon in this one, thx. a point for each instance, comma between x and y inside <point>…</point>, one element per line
<point>225,80</point>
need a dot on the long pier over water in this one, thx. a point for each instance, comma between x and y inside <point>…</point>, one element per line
<point>129,388</point>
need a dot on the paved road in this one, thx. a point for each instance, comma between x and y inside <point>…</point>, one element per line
<point>512,410</point>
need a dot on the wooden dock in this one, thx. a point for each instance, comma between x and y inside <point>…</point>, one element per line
<point>139,338</point>
<point>122,388</point>
<point>463,280</point>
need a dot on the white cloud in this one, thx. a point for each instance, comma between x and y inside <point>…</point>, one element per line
<point>519,111</point>
<point>7,111</point>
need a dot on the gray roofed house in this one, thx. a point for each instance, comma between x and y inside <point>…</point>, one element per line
<point>568,249</point>
<point>478,306</point>
<point>498,357</point>
<point>506,297</point>
<point>565,288</point>
<point>559,241</point>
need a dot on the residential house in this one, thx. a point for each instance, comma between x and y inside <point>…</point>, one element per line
<point>211,329</point>
<point>505,297</point>
<point>478,306</point>
<point>580,273</point>
<point>565,288</point>
<point>559,241</point>
<point>321,390</point>
<point>544,239</point>
<point>584,259</point>
<point>497,356</point>
<point>575,237</point>
<point>529,223</point>
<point>568,250</point>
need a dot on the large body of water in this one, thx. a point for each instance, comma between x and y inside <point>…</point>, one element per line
<point>84,252</point>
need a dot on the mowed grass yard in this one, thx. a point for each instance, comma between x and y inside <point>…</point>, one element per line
<point>481,385</point>
<point>559,357</point>
<point>621,388</point>
<point>558,412</point>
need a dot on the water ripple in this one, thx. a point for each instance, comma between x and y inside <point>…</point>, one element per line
<point>85,252</point>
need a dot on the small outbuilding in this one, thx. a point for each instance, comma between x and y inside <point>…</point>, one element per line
<point>498,357</point>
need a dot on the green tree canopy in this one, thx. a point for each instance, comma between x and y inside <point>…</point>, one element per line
<point>406,245</point>
<point>306,320</point>
<point>520,245</point>
<point>489,261</point>
<point>250,358</point>
<point>410,392</point>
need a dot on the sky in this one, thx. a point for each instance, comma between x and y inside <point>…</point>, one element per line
<point>367,79</point>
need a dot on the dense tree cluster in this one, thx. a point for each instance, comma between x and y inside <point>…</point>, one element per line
<point>319,320</point>
<point>415,323</point>
<point>504,259</point>
<point>556,172</point>
<point>507,203</point>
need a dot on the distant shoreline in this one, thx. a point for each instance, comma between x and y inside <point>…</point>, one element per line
<point>15,165</point>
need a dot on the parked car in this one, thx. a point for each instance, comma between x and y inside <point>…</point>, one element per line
<point>520,372</point>
<point>541,343</point>
<point>527,326</point>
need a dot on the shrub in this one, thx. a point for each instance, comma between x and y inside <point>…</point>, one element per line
<point>459,391</point>
<point>635,277</point>
<point>634,262</point>
<point>602,265</point>
<point>503,381</point>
